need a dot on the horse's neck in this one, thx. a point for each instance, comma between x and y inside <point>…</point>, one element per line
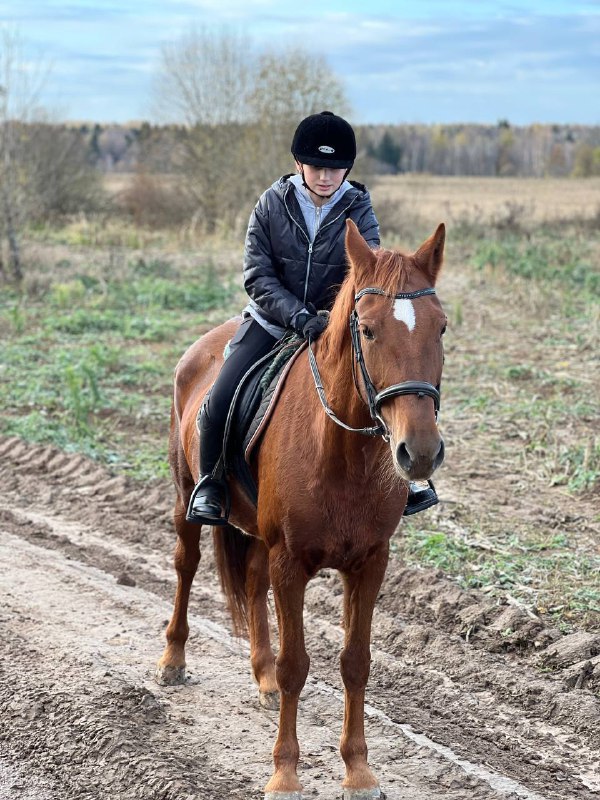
<point>342,446</point>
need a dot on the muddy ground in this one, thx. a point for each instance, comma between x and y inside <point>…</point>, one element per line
<point>87,584</point>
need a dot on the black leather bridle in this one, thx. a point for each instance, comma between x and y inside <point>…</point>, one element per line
<point>374,399</point>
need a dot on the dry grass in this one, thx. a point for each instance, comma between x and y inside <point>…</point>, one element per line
<point>520,488</point>
<point>116,182</point>
<point>407,202</point>
<point>487,200</point>
<point>520,511</point>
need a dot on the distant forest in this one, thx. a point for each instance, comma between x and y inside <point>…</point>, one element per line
<point>492,150</point>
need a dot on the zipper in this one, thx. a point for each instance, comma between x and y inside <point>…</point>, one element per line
<point>341,214</point>
<point>310,244</point>
<point>310,247</point>
<point>317,231</point>
<point>318,212</point>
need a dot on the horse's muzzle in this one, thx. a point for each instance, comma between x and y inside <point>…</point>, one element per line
<point>418,461</point>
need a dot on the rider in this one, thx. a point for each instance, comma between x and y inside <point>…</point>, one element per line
<point>294,260</point>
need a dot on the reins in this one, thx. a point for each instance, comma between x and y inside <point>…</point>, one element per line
<point>374,398</point>
<point>372,431</point>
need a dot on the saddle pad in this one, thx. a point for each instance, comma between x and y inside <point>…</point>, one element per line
<point>251,408</point>
<point>271,391</point>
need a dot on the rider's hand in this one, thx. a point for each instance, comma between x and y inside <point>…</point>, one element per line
<point>314,327</point>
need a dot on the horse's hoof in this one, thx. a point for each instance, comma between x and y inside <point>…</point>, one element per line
<point>270,701</point>
<point>363,794</point>
<point>283,795</point>
<point>170,676</point>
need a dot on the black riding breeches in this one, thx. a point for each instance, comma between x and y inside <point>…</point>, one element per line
<point>250,343</point>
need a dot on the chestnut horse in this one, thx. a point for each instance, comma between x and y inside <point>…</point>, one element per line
<point>327,496</point>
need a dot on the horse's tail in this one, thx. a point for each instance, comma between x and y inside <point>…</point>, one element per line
<point>231,549</point>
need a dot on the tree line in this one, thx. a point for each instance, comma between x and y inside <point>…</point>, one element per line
<point>225,114</point>
<point>502,150</point>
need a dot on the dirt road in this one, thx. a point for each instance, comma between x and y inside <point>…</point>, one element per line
<point>86,583</point>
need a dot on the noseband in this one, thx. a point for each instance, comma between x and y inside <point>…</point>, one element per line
<point>375,399</point>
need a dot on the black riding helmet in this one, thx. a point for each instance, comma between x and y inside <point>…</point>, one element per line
<point>325,140</point>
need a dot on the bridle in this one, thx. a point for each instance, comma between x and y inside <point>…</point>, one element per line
<point>374,399</point>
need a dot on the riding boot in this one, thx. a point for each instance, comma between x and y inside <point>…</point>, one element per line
<point>420,497</point>
<point>208,504</point>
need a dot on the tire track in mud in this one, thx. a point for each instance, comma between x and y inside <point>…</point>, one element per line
<point>489,708</point>
<point>94,708</point>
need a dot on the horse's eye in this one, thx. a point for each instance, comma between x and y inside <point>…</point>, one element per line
<point>443,330</point>
<point>367,333</point>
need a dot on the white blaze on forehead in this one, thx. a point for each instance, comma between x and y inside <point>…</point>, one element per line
<point>405,312</point>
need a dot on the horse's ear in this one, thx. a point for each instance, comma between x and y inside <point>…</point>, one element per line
<point>362,258</point>
<point>430,255</point>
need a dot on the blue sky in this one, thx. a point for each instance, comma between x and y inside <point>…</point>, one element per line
<point>428,61</point>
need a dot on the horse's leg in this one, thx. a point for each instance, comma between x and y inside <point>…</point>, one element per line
<point>289,582</point>
<point>262,657</point>
<point>171,666</point>
<point>360,593</point>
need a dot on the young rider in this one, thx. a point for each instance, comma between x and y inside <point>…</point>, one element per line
<point>294,260</point>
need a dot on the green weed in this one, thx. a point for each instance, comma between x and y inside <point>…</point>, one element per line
<point>544,571</point>
<point>581,464</point>
<point>68,295</point>
<point>87,365</point>
<point>435,549</point>
<point>18,318</point>
<point>82,395</point>
<point>565,260</point>
<point>457,313</point>
<point>153,267</point>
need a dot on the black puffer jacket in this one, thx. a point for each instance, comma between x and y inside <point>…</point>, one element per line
<point>283,272</point>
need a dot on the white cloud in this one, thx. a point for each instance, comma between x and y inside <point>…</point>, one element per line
<point>393,65</point>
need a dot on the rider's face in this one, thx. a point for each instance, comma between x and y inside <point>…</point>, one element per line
<point>322,181</point>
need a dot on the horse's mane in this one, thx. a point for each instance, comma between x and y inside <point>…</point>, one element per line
<point>391,272</point>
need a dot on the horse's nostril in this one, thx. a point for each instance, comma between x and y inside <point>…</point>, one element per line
<point>403,457</point>
<point>440,456</point>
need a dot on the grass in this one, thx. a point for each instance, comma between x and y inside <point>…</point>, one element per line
<point>521,483</point>
<point>480,204</point>
<point>90,343</point>
<point>521,382</point>
<point>90,359</point>
<point>544,569</point>
<point>549,257</point>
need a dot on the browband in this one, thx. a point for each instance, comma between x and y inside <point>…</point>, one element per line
<point>399,296</point>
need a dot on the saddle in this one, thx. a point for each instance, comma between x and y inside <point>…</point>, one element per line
<point>251,409</point>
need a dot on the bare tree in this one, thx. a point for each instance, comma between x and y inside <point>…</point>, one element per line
<point>288,86</point>
<point>204,78</point>
<point>240,108</point>
<point>59,178</point>
<point>20,84</point>
<point>44,170</point>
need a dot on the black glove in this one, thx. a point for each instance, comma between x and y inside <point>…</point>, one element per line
<point>314,327</point>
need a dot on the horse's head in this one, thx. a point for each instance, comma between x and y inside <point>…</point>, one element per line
<point>398,324</point>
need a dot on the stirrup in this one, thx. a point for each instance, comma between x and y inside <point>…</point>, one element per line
<point>193,516</point>
<point>420,499</point>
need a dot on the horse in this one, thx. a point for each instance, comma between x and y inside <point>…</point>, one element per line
<point>328,497</point>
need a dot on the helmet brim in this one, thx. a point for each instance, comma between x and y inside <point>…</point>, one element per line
<point>329,163</point>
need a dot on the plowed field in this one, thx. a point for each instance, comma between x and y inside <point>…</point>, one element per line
<point>87,585</point>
